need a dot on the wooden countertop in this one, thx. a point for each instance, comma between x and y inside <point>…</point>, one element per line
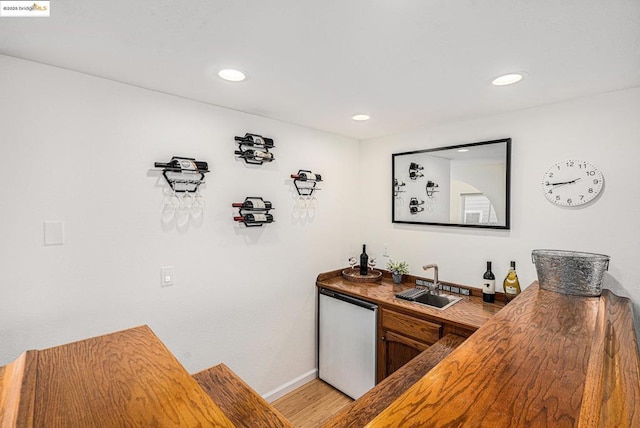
<point>470,312</point>
<point>128,378</point>
<point>546,359</point>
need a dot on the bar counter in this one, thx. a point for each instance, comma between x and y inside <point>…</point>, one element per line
<point>546,359</point>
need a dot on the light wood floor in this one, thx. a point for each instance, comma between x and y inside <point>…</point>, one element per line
<point>311,404</point>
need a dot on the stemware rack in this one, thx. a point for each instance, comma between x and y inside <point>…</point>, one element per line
<point>397,186</point>
<point>306,182</point>
<point>431,188</point>
<point>183,174</point>
<point>254,211</point>
<point>254,148</point>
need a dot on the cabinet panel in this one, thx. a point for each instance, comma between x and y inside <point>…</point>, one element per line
<point>424,331</point>
<point>399,350</point>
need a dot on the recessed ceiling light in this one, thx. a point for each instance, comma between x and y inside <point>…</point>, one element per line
<point>231,75</point>
<point>463,150</point>
<point>507,79</point>
<point>360,117</point>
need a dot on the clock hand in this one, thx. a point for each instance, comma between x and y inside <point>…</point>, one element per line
<point>563,182</point>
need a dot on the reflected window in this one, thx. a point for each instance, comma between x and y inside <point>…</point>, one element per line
<point>477,209</point>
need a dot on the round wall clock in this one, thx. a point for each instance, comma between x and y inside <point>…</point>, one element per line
<point>572,183</point>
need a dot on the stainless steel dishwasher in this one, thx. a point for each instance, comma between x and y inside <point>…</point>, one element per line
<point>347,342</point>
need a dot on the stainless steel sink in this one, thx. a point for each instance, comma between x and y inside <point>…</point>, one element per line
<point>438,301</point>
<point>425,297</point>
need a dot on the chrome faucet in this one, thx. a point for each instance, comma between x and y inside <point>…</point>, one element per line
<point>433,288</point>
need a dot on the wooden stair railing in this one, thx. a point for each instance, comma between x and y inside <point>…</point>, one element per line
<point>237,400</point>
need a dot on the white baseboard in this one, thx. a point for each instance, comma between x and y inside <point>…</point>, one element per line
<point>283,390</point>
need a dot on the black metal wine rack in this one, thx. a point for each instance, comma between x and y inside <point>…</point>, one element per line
<point>397,186</point>
<point>183,174</point>
<point>431,188</point>
<point>242,211</point>
<point>254,149</point>
<point>415,171</point>
<point>307,185</point>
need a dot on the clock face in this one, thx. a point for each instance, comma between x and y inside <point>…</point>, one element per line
<point>572,183</point>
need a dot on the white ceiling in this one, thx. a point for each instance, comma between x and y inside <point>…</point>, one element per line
<point>407,63</point>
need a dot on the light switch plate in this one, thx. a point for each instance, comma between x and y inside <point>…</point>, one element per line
<point>166,276</point>
<point>53,233</point>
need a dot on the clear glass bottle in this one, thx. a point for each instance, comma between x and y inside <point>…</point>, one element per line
<point>511,284</point>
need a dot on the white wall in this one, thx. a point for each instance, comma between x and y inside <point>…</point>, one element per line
<point>602,129</point>
<point>80,149</point>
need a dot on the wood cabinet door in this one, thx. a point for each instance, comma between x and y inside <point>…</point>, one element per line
<point>399,350</point>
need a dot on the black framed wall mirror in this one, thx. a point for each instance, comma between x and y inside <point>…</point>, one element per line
<point>467,185</point>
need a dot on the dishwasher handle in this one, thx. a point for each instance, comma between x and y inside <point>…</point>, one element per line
<point>349,299</point>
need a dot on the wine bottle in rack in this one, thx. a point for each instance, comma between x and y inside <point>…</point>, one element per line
<point>307,176</point>
<point>254,218</point>
<point>255,154</point>
<point>416,201</point>
<point>364,260</point>
<point>413,209</point>
<point>488,285</point>
<point>414,165</point>
<point>415,174</point>
<point>255,140</point>
<point>253,204</point>
<point>184,165</point>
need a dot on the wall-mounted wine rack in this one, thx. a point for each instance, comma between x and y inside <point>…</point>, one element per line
<point>431,188</point>
<point>415,205</point>
<point>254,211</point>
<point>254,149</point>
<point>306,182</point>
<point>183,174</point>
<point>397,187</point>
<point>415,171</point>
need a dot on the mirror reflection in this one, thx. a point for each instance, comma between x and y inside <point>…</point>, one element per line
<point>465,185</point>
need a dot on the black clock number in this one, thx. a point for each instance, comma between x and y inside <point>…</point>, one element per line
<point>557,197</point>
<point>596,181</point>
<point>591,173</point>
<point>590,190</point>
<point>569,164</point>
<point>569,201</point>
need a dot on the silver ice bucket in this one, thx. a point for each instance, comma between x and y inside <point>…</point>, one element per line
<point>570,272</point>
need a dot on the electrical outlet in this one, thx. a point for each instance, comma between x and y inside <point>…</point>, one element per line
<point>445,287</point>
<point>166,276</point>
<point>464,292</point>
<point>455,290</point>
